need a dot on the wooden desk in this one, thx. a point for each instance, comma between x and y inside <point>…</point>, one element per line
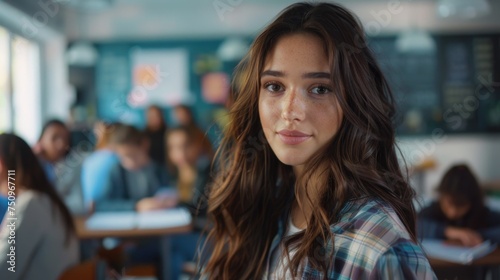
<point>163,233</point>
<point>84,233</point>
<point>491,261</point>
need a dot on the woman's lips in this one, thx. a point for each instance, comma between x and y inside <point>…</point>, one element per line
<point>293,137</point>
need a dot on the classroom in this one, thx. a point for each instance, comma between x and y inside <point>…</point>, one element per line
<point>249,139</point>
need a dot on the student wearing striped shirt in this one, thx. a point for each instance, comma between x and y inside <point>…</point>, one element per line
<point>310,186</point>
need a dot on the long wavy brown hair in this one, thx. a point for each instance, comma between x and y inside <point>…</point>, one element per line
<point>254,191</point>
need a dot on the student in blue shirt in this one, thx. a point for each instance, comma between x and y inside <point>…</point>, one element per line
<point>97,166</point>
<point>133,181</point>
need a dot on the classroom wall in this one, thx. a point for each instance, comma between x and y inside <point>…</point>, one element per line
<point>113,79</point>
<point>481,152</point>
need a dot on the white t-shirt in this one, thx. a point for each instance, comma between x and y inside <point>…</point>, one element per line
<point>279,262</point>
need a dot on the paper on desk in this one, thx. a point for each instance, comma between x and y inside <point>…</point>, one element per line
<point>459,254</point>
<point>112,221</point>
<point>164,218</point>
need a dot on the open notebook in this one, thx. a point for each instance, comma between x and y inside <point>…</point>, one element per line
<point>130,220</point>
<point>438,249</point>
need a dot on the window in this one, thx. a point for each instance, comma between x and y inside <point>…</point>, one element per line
<point>20,94</point>
<point>26,88</point>
<point>5,106</point>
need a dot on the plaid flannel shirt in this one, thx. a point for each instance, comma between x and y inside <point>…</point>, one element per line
<point>370,243</point>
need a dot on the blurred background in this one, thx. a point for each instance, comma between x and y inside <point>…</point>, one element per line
<point>87,60</point>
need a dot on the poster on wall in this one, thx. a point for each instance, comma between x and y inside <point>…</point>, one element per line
<point>215,87</point>
<point>160,77</point>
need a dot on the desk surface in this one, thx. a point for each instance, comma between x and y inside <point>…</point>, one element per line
<point>493,259</point>
<point>84,233</point>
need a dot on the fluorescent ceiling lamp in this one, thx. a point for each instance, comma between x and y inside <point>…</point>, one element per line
<point>232,49</point>
<point>82,54</point>
<point>463,8</point>
<point>415,41</point>
<point>89,5</point>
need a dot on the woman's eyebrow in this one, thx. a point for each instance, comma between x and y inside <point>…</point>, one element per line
<point>317,75</point>
<point>272,73</point>
<point>309,75</point>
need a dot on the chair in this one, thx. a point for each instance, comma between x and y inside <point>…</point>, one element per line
<point>89,270</point>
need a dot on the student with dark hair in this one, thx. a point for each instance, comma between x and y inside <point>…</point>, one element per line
<point>309,185</point>
<point>52,146</point>
<point>45,242</point>
<point>132,182</point>
<point>459,213</point>
<point>155,131</point>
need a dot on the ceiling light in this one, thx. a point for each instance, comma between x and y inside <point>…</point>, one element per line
<point>463,8</point>
<point>415,41</point>
<point>82,54</point>
<point>232,49</point>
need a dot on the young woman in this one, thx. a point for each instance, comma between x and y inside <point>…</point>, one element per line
<point>460,213</point>
<point>190,170</point>
<point>52,146</point>
<point>310,186</point>
<point>45,243</point>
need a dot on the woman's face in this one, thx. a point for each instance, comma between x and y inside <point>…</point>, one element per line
<point>299,112</point>
<point>182,116</point>
<point>55,142</point>
<point>154,118</point>
<point>180,150</point>
<point>451,210</point>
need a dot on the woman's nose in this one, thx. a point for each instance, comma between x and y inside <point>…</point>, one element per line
<point>293,106</point>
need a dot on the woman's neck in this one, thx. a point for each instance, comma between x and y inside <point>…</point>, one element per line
<point>302,206</point>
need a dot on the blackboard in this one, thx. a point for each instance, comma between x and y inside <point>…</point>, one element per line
<point>454,89</point>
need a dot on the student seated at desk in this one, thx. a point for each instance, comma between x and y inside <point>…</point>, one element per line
<point>189,167</point>
<point>460,213</point>
<point>52,147</point>
<point>63,168</point>
<point>97,166</point>
<point>45,243</point>
<point>133,182</point>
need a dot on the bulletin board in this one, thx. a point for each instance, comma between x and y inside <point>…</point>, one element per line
<point>160,77</point>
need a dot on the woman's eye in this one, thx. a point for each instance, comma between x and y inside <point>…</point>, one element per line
<point>272,87</point>
<point>320,90</point>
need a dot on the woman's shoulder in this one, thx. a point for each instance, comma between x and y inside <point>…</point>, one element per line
<point>370,239</point>
<point>372,222</point>
<point>32,204</point>
<point>32,198</point>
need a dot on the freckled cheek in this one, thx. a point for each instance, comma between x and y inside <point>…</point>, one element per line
<point>268,112</point>
<point>327,119</point>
